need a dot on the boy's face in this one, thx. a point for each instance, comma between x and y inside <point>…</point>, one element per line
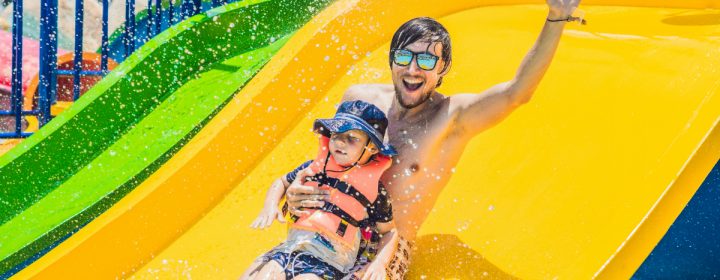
<point>347,147</point>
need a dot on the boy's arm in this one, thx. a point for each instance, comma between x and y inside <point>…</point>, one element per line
<point>270,211</point>
<point>388,242</point>
<point>388,245</point>
<point>276,192</point>
<point>382,214</point>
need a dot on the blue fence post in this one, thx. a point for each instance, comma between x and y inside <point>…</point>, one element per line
<point>197,7</point>
<point>185,7</point>
<point>150,21</point>
<point>129,27</point>
<point>171,13</point>
<point>125,35</point>
<point>17,54</point>
<point>158,16</point>
<point>52,94</point>
<point>105,48</point>
<point>77,57</point>
<point>48,58</point>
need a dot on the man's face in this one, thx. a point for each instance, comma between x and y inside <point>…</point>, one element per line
<point>413,86</point>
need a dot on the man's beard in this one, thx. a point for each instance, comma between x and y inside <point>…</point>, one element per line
<point>425,96</point>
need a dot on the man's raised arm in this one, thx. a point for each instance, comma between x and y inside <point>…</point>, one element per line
<point>477,112</point>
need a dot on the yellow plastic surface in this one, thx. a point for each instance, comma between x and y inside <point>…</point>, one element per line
<point>60,107</point>
<point>581,182</point>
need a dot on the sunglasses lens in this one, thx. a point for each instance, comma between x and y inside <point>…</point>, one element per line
<point>426,62</point>
<point>403,57</point>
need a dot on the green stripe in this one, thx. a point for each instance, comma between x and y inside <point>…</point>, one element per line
<point>130,160</point>
<point>133,121</point>
<point>69,142</point>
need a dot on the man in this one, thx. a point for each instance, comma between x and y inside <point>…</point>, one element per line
<point>422,119</point>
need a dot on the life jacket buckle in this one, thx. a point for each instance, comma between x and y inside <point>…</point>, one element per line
<point>342,227</point>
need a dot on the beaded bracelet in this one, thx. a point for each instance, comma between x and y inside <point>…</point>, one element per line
<point>569,19</point>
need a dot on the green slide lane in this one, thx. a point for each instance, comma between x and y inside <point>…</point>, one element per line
<point>134,120</point>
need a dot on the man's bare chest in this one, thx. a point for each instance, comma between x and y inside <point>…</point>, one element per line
<point>421,152</point>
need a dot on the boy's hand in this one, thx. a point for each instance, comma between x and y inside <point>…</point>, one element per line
<point>266,217</point>
<point>376,271</point>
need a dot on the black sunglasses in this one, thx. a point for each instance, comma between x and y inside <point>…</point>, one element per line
<point>424,60</point>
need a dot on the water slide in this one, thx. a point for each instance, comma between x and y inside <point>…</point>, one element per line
<point>581,182</point>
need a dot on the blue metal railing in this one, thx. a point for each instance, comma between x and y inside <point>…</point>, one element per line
<point>16,79</point>
<point>48,59</point>
<point>77,56</point>
<point>158,19</point>
<point>104,46</point>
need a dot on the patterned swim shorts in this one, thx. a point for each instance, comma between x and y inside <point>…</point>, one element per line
<point>297,263</point>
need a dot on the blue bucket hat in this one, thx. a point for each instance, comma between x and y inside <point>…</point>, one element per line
<point>358,115</point>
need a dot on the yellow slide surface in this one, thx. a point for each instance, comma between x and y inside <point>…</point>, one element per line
<point>581,182</point>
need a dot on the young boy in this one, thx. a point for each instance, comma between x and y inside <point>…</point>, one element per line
<point>324,243</point>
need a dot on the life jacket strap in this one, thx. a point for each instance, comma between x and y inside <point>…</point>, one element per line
<point>343,187</point>
<point>345,218</point>
<point>286,212</point>
<point>332,208</point>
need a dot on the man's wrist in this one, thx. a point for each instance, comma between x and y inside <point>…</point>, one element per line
<point>567,19</point>
<point>557,14</point>
<point>558,20</point>
<point>557,17</point>
<point>381,262</point>
<point>561,17</point>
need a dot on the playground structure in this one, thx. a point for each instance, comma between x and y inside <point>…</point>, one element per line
<point>27,102</point>
<point>581,183</point>
<point>64,89</point>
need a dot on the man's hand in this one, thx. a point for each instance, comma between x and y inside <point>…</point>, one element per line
<point>300,196</point>
<point>560,9</point>
<point>376,271</point>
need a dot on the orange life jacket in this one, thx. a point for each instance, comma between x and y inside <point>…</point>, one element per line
<point>352,193</point>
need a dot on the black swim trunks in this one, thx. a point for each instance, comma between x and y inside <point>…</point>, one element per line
<point>299,262</point>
